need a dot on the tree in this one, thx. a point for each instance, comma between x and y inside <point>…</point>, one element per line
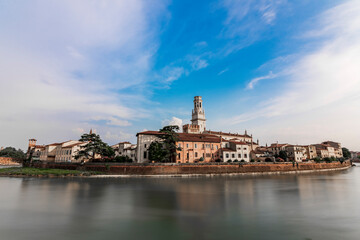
<point>283,155</point>
<point>13,153</point>
<point>93,147</point>
<point>169,139</point>
<point>346,153</point>
<point>156,152</point>
<point>108,152</point>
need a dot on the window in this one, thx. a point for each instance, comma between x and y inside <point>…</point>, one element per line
<point>227,155</point>
<point>212,146</point>
<point>144,154</point>
<point>195,145</point>
<point>208,155</point>
<point>196,154</point>
<point>245,155</point>
<point>233,155</point>
<point>203,155</point>
<point>179,155</point>
<point>179,145</point>
<point>239,155</point>
<point>187,155</point>
<point>144,145</point>
<point>187,145</point>
<point>217,147</point>
<point>203,146</point>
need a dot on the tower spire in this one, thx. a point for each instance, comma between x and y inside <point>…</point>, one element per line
<point>198,114</point>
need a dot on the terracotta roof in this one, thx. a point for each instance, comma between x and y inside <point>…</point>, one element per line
<point>227,134</point>
<point>149,133</point>
<point>228,150</point>
<point>189,137</point>
<point>236,142</point>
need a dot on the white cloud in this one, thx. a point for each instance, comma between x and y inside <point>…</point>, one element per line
<point>322,92</point>
<point>117,136</point>
<point>254,81</point>
<point>198,64</point>
<point>62,62</point>
<point>174,121</point>
<point>223,71</point>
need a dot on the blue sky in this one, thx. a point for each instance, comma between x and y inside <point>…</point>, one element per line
<point>284,70</point>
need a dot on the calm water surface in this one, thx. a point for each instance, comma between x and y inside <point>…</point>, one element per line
<point>316,206</point>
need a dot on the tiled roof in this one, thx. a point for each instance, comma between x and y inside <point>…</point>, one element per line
<point>149,133</point>
<point>228,150</point>
<point>189,137</point>
<point>227,134</point>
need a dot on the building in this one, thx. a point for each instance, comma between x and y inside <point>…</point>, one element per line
<point>233,151</point>
<point>34,151</point>
<point>199,144</point>
<point>262,154</point>
<point>198,147</point>
<point>334,148</point>
<point>198,120</point>
<point>276,148</point>
<point>296,153</point>
<point>125,149</point>
<point>310,151</point>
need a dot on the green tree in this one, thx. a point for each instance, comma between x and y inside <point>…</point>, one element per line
<point>93,147</point>
<point>13,153</point>
<point>283,155</point>
<point>157,152</point>
<point>346,153</point>
<point>108,152</point>
<point>165,149</point>
<point>169,139</point>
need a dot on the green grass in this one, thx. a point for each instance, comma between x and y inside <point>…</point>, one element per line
<point>27,171</point>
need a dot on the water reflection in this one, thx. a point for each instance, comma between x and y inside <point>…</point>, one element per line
<point>316,206</point>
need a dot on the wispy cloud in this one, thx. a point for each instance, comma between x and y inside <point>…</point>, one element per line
<point>254,81</point>
<point>63,62</point>
<point>322,83</point>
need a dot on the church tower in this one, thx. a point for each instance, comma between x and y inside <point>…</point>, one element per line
<point>198,114</point>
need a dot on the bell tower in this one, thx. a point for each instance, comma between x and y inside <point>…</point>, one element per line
<point>198,114</point>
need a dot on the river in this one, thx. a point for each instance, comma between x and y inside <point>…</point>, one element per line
<point>309,206</point>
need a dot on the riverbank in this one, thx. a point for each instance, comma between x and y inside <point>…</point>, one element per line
<point>196,169</point>
<point>44,172</point>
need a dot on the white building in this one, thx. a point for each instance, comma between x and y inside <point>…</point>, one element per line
<point>235,151</point>
<point>126,149</point>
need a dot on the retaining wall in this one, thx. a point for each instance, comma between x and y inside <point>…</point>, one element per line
<point>185,169</point>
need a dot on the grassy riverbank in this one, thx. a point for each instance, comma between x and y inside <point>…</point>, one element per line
<point>43,172</point>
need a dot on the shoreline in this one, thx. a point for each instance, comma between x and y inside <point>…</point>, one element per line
<point>210,175</point>
<point>205,175</point>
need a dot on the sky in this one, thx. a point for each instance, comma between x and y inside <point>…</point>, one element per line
<point>285,71</point>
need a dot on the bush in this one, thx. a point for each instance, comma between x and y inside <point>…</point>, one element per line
<point>201,159</point>
<point>252,160</point>
<point>242,160</point>
<point>218,160</point>
<point>123,159</point>
<point>229,161</point>
<point>236,160</point>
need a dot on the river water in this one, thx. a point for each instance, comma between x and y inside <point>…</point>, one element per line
<point>311,206</point>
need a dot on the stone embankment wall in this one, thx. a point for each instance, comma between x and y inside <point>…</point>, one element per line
<point>186,169</point>
<point>8,161</point>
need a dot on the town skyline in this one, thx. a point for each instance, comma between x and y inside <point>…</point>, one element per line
<point>283,71</point>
